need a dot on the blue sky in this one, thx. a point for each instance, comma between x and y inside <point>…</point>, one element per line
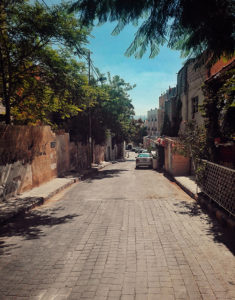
<point>151,76</point>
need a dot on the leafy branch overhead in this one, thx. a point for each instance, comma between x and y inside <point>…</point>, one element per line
<point>27,60</point>
<point>195,27</point>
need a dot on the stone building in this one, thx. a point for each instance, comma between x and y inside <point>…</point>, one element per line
<point>189,91</point>
<point>167,107</point>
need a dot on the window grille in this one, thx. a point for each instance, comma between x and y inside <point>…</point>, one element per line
<point>219,185</point>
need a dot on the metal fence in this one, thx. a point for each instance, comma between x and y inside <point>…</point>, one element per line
<point>219,184</point>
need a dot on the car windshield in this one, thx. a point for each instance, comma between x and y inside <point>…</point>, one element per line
<point>144,155</point>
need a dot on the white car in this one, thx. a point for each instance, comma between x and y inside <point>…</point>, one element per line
<point>144,160</point>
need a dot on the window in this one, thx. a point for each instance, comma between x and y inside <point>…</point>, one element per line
<point>194,106</point>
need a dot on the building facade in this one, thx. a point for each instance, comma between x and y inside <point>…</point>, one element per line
<point>152,122</point>
<point>167,107</point>
<point>189,91</point>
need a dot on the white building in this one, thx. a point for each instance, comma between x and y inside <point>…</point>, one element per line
<point>152,122</point>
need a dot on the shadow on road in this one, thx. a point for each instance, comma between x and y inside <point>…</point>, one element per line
<point>107,174</point>
<point>30,226</point>
<point>192,209</point>
<point>219,233</point>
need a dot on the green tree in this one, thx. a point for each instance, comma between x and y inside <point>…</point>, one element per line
<point>195,27</point>
<point>192,143</point>
<point>58,91</point>
<point>111,109</point>
<point>26,31</point>
<point>139,131</point>
<point>118,110</point>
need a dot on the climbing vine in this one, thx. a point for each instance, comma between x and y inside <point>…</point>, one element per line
<point>192,143</point>
<point>218,110</point>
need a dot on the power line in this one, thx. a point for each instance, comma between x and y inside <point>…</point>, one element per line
<point>43,3</point>
<point>94,68</point>
<point>88,59</point>
<point>90,64</point>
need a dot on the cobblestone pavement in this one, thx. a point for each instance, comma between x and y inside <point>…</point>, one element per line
<point>125,234</point>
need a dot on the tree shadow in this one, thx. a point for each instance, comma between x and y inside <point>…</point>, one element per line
<point>219,232</point>
<point>107,174</point>
<point>30,226</point>
<point>192,209</point>
<point>6,248</point>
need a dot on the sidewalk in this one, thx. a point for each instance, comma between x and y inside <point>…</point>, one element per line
<point>20,204</point>
<point>189,185</point>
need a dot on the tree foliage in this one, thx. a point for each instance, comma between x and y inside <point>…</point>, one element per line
<point>139,131</point>
<point>33,76</point>
<point>192,143</point>
<point>112,110</point>
<point>195,27</point>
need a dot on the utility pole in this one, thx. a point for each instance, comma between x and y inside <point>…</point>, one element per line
<point>90,124</point>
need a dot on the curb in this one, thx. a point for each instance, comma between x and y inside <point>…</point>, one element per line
<point>32,202</point>
<point>186,190</point>
<point>210,206</point>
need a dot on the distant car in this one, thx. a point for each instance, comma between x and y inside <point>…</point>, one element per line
<point>144,160</point>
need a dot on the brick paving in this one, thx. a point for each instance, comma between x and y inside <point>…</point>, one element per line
<point>126,234</point>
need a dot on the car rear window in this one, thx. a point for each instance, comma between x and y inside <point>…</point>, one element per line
<point>144,155</point>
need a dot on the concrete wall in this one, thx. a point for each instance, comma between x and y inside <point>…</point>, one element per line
<point>108,150</point>
<point>180,165</point>
<point>175,164</point>
<point>113,152</point>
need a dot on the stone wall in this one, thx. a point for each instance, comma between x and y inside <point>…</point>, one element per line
<point>27,157</point>
<point>98,154</point>
<point>62,152</point>
<point>189,86</point>
<point>196,79</point>
<point>32,155</point>
<point>79,156</point>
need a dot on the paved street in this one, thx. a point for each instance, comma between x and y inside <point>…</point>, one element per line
<point>125,234</point>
